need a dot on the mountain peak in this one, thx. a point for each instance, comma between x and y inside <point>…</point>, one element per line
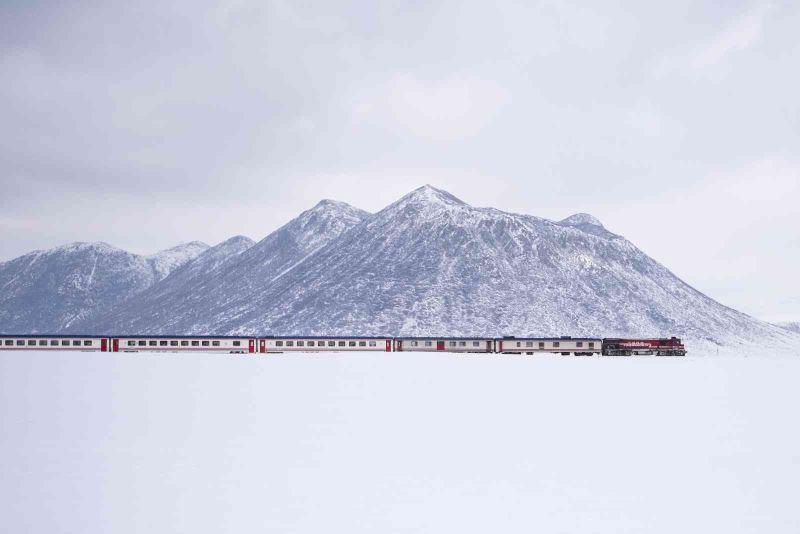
<point>431,195</point>
<point>579,219</point>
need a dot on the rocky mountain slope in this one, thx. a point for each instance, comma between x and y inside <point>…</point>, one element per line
<point>54,290</point>
<point>202,297</point>
<point>166,261</point>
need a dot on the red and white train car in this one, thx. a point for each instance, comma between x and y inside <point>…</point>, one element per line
<point>324,344</point>
<point>579,346</point>
<point>229,344</point>
<point>443,344</point>
<point>51,343</point>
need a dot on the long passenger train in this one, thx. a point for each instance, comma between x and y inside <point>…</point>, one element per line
<point>579,346</point>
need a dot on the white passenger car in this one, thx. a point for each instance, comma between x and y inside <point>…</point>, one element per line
<point>231,344</point>
<point>579,346</point>
<point>324,344</point>
<point>50,342</point>
<point>443,344</point>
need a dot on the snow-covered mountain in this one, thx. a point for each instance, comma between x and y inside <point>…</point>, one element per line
<point>426,264</point>
<point>201,298</point>
<point>54,290</point>
<point>166,261</point>
<point>431,264</point>
<point>791,326</point>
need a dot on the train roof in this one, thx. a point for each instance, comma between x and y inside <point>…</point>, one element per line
<point>59,336</point>
<point>447,338</point>
<point>325,337</point>
<point>559,338</point>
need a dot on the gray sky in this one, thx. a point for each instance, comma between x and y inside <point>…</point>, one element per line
<point>144,124</point>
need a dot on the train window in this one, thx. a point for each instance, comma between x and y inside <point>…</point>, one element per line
<point>429,343</point>
<point>87,343</point>
<point>142,342</point>
<point>541,344</point>
<point>591,344</point>
<point>519,343</point>
<point>53,342</point>
<point>152,343</point>
<point>331,343</point>
<point>64,342</point>
<point>184,343</point>
<point>290,343</point>
<point>204,343</point>
<point>310,343</point>
<point>22,342</point>
<point>341,343</point>
<point>414,343</point>
<point>215,343</point>
<point>373,344</point>
<point>279,343</point>
<point>173,343</point>
<point>11,342</point>
<point>76,342</point>
<point>476,343</point>
<point>301,343</point>
<point>529,343</point>
<point>351,343</point>
<point>452,343</point>
<point>237,343</point>
<point>579,343</point>
<point>462,343</point>
<point>131,343</point>
<point>31,342</point>
<point>42,342</point>
<point>362,343</point>
<point>556,344</point>
<point>195,343</point>
<point>162,343</point>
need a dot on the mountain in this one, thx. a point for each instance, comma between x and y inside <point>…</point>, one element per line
<point>166,261</point>
<point>174,293</point>
<point>791,326</point>
<point>431,264</point>
<point>202,298</point>
<point>428,264</point>
<point>53,290</point>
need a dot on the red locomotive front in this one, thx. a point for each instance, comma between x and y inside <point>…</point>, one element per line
<point>658,346</point>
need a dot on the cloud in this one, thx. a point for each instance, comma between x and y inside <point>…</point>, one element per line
<point>737,35</point>
<point>741,34</point>
<point>445,110</point>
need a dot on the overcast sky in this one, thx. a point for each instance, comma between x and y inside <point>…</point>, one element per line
<point>677,124</point>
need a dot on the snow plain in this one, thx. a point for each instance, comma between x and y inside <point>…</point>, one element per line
<point>98,443</point>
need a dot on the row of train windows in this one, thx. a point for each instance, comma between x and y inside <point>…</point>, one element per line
<point>311,343</point>
<point>451,343</point>
<point>176,343</point>
<point>556,344</point>
<point>46,342</point>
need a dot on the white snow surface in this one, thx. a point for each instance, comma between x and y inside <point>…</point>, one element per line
<point>398,442</point>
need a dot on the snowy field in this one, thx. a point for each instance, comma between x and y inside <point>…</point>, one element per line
<point>377,443</point>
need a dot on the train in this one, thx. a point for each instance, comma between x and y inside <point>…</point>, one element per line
<point>564,345</point>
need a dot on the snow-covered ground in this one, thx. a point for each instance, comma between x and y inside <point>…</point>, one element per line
<point>97,443</point>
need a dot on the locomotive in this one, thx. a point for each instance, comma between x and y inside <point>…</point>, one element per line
<point>566,345</point>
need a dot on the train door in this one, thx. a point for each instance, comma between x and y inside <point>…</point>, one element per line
<point>115,345</point>
<point>262,346</point>
<point>440,345</point>
<point>251,346</point>
<point>388,345</point>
